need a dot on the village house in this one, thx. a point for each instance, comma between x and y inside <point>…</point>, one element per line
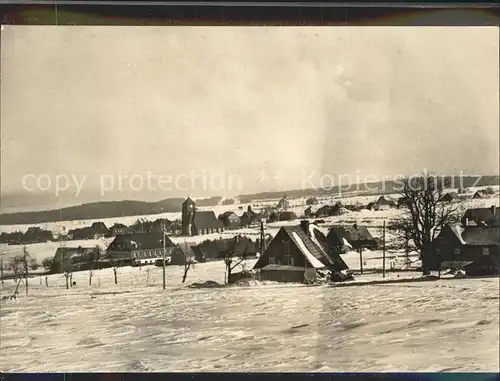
<point>308,213</point>
<point>286,216</point>
<point>357,207</point>
<point>283,204</point>
<point>402,202</point>
<point>183,253</point>
<point>296,253</point>
<point>70,259</point>
<point>249,217</point>
<point>480,194</point>
<point>81,233</point>
<point>196,222</point>
<point>34,234</point>
<point>475,249</point>
<point>139,248</point>
<point>99,230</point>
<point>382,203</point>
<point>212,250</point>
<point>449,197</point>
<point>329,210</point>
<point>95,231</point>
<point>312,201</point>
<point>350,237</point>
<point>117,229</point>
<point>230,220</point>
<point>482,216</point>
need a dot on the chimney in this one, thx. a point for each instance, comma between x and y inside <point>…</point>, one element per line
<point>304,224</point>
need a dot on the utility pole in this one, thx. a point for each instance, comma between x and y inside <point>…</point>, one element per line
<point>361,260</point>
<point>262,238</point>
<point>1,268</point>
<point>25,255</point>
<point>383,251</point>
<point>164,248</point>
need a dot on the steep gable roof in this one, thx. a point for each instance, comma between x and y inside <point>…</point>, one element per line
<point>481,236</point>
<point>490,216</point>
<point>118,226</point>
<point>382,200</point>
<point>99,227</point>
<point>312,246</point>
<point>352,233</point>
<point>206,220</point>
<point>187,249</point>
<point>188,200</point>
<point>474,235</point>
<point>143,241</point>
<point>70,252</point>
<point>480,194</point>
<point>450,196</point>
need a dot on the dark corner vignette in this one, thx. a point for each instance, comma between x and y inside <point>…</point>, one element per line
<point>409,13</point>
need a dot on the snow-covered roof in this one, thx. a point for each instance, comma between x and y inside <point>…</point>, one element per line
<point>312,228</point>
<point>346,243</point>
<point>458,230</point>
<point>310,258</point>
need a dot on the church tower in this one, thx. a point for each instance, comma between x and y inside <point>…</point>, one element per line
<point>188,210</point>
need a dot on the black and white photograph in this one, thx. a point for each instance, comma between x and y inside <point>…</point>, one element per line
<point>249,199</point>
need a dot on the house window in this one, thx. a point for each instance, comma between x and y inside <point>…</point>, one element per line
<point>456,251</point>
<point>486,251</point>
<point>291,262</point>
<point>272,261</point>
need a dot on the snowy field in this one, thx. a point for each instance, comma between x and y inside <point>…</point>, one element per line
<point>446,325</point>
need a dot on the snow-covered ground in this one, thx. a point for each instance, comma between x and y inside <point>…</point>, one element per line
<point>446,325</point>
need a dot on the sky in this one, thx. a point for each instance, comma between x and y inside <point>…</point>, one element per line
<point>247,109</point>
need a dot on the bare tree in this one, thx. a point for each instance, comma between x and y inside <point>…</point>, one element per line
<point>33,264</point>
<point>47,263</point>
<point>26,258</point>
<point>16,265</point>
<point>66,263</point>
<point>188,262</point>
<point>97,256</point>
<point>16,291</point>
<point>114,264</point>
<point>231,257</point>
<point>68,272</point>
<point>1,269</point>
<point>20,266</point>
<point>424,216</point>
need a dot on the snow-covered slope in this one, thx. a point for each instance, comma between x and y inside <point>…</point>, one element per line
<point>134,326</point>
